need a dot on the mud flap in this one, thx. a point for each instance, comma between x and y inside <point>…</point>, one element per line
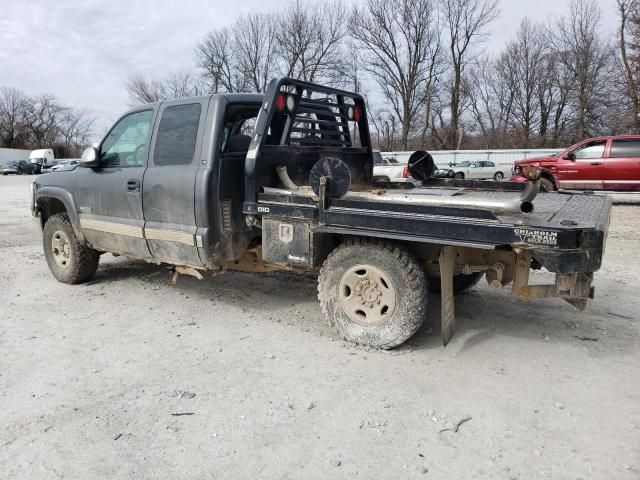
<point>448,317</point>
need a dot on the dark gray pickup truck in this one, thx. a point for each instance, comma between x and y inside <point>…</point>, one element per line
<point>284,181</point>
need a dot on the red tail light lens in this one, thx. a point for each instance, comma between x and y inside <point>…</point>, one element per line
<point>281,102</point>
<point>357,113</point>
<point>405,171</point>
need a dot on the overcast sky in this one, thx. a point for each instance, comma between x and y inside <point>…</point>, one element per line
<point>82,51</point>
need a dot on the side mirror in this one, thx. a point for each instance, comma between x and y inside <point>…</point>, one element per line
<point>90,158</point>
<point>570,156</point>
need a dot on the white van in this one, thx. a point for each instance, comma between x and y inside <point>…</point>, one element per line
<point>40,158</point>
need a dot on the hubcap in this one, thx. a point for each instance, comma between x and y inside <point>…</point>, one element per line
<point>61,249</point>
<point>367,295</point>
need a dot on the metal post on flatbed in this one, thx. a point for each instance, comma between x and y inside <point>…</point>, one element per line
<point>448,317</point>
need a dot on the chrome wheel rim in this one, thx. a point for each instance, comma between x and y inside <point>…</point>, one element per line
<point>367,295</point>
<point>61,249</point>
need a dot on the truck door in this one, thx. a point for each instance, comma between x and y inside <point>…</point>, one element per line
<point>169,182</point>
<point>109,198</point>
<point>586,170</point>
<point>622,166</point>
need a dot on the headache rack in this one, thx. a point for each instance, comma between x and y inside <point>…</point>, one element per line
<point>298,124</point>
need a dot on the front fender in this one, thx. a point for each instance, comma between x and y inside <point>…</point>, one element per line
<point>46,192</point>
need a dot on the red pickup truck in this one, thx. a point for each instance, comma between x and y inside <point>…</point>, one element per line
<point>601,163</point>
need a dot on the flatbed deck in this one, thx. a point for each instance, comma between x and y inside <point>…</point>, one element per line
<point>573,225</point>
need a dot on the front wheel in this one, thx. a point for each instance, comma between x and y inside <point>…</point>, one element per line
<point>69,260</point>
<point>374,293</point>
<point>460,176</point>
<point>546,185</point>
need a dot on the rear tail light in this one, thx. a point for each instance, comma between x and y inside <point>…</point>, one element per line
<point>281,101</point>
<point>354,113</point>
<point>291,103</point>
<point>405,172</point>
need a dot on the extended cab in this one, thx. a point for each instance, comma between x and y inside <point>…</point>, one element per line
<point>284,181</point>
<point>602,163</point>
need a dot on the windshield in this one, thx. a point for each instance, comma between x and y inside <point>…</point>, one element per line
<point>464,164</point>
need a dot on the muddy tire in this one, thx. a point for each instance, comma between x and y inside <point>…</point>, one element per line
<point>459,176</point>
<point>373,293</point>
<point>69,260</point>
<point>546,185</point>
<point>498,177</point>
<point>461,282</point>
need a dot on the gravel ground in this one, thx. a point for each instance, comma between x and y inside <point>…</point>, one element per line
<point>239,376</point>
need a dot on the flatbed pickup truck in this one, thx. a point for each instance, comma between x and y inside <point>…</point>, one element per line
<point>284,181</point>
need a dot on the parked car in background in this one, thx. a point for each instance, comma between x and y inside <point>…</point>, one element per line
<point>601,163</point>
<point>18,167</point>
<point>10,168</point>
<point>443,173</point>
<point>41,157</point>
<point>388,169</point>
<point>480,170</point>
<point>48,167</point>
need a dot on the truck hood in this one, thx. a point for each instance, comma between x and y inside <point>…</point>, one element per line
<point>534,160</point>
<point>66,168</point>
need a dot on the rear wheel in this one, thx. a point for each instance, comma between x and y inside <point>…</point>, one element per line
<point>374,293</point>
<point>69,260</point>
<point>498,176</point>
<point>546,185</point>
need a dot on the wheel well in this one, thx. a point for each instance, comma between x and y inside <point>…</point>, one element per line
<point>549,176</point>
<point>48,207</point>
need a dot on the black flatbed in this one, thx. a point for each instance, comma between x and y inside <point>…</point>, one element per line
<point>565,232</point>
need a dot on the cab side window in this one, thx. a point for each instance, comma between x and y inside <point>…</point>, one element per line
<point>589,150</point>
<point>126,143</point>
<point>625,148</point>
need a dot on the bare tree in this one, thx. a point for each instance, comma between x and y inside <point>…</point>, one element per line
<point>42,117</point>
<point>255,49</point>
<point>491,100</point>
<point>629,45</point>
<point>13,106</point>
<point>522,68</point>
<point>142,90</point>
<point>215,58</point>
<point>176,85</point>
<point>75,128</point>
<point>403,54</point>
<point>583,52</point>
<point>466,21</point>
<point>311,40</point>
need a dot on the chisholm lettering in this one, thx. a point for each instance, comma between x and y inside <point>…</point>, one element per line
<point>541,237</point>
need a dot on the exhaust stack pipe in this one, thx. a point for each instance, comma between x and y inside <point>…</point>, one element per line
<point>522,204</point>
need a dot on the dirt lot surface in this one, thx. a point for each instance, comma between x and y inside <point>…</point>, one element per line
<point>239,376</point>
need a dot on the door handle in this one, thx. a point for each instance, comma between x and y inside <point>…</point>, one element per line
<point>596,163</point>
<point>133,185</point>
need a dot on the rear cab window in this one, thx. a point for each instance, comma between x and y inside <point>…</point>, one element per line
<point>625,148</point>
